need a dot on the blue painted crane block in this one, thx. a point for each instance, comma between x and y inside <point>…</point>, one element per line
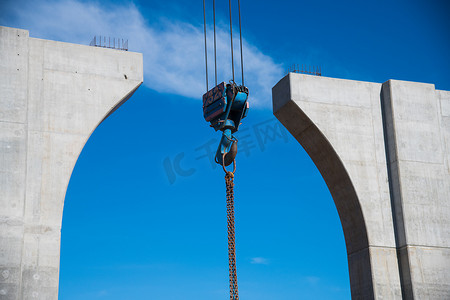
<point>224,106</point>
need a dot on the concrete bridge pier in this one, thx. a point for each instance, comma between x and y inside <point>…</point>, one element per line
<point>383,151</point>
<point>52,97</point>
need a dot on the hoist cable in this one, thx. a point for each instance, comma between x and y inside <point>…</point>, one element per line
<point>231,35</point>
<point>206,49</point>
<point>215,53</point>
<point>240,35</point>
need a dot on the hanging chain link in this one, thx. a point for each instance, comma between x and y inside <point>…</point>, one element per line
<point>229,177</point>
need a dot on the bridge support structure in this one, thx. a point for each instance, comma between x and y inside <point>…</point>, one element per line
<point>52,97</point>
<point>384,153</point>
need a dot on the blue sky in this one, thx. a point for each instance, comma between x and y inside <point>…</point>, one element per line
<point>139,225</point>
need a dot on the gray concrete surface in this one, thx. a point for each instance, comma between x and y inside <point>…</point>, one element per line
<point>52,97</point>
<point>383,151</point>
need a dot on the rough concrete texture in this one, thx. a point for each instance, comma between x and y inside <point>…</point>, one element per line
<point>52,97</point>
<point>383,151</point>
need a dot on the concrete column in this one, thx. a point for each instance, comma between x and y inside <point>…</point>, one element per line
<point>417,124</point>
<point>52,97</point>
<point>349,130</point>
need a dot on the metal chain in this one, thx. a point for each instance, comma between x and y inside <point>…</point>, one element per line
<point>229,177</point>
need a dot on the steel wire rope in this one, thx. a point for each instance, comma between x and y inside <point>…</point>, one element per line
<point>215,53</point>
<point>240,39</point>
<point>231,38</point>
<point>206,49</point>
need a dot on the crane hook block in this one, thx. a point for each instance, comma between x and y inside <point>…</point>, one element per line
<point>224,106</point>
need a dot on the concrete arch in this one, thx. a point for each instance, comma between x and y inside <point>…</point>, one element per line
<point>384,152</point>
<point>339,124</point>
<point>342,190</point>
<point>55,96</point>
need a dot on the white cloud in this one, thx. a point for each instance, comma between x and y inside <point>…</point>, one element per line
<point>312,280</point>
<point>259,261</point>
<point>173,50</point>
<point>102,293</point>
